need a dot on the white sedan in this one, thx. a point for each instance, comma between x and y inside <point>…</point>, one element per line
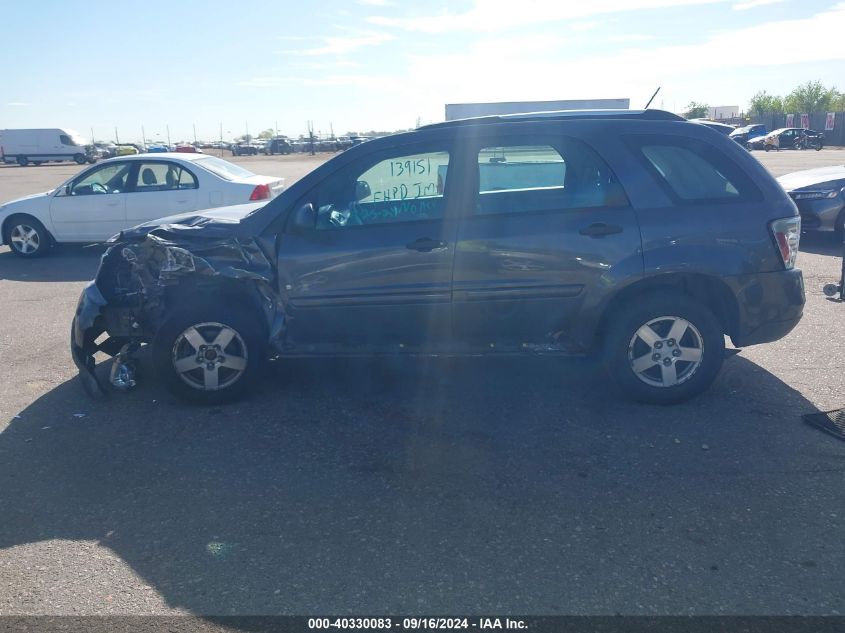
<point>121,192</point>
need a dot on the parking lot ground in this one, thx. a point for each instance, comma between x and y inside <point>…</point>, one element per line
<point>416,486</point>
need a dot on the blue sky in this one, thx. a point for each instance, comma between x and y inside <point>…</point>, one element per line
<point>382,64</point>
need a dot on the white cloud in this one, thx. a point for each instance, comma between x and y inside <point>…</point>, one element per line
<point>499,15</point>
<point>342,45</point>
<point>17,104</point>
<point>377,3</point>
<point>751,4</point>
<point>350,80</point>
<point>542,68</point>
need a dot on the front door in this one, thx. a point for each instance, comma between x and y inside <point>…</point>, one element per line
<point>93,206</point>
<point>549,228</point>
<point>374,271</point>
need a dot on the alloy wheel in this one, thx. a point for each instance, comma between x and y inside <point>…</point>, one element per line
<point>666,351</point>
<point>209,356</point>
<point>25,239</point>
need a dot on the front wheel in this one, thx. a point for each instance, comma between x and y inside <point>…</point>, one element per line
<point>27,237</point>
<point>664,349</point>
<point>209,354</point>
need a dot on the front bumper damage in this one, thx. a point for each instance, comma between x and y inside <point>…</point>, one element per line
<point>144,274</point>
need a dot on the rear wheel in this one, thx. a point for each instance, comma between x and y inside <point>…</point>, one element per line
<point>209,353</point>
<point>79,159</point>
<point>664,349</point>
<point>23,161</point>
<point>26,236</point>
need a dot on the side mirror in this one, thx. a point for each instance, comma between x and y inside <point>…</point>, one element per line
<point>362,190</point>
<point>304,218</point>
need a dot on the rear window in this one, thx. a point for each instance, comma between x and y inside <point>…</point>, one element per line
<point>223,168</point>
<point>692,171</point>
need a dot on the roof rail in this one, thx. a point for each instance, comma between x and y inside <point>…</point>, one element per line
<point>560,115</point>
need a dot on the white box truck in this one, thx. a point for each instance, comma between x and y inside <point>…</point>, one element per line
<point>38,146</point>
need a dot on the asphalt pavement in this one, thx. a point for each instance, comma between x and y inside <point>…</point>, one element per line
<point>438,486</point>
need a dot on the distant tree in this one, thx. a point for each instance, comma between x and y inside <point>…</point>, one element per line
<point>837,103</point>
<point>268,133</point>
<point>810,97</point>
<point>763,102</point>
<point>696,110</point>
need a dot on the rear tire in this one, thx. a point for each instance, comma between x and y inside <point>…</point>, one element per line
<point>79,159</point>
<point>210,353</point>
<point>663,349</point>
<point>26,236</point>
<point>23,161</point>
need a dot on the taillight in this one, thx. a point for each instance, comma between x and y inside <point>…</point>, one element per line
<point>787,233</point>
<point>261,192</point>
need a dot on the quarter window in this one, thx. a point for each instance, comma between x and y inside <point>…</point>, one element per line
<point>403,188</point>
<point>692,171</point>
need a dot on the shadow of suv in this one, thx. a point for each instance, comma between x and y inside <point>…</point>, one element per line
<point>634,233</point>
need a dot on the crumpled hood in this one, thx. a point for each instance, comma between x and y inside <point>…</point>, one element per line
<point>809,177</point>
<point>206,223</point>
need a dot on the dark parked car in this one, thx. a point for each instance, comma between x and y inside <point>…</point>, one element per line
<point>633,233</point>
<point>744,134</point>
<point>244,149</point>
<point>820,197</point>
<point>277,146</point>
<point>784,138</point>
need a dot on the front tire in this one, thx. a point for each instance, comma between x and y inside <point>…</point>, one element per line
<point>663,349</point>
<point>210,354</point>
<point>26,236</point>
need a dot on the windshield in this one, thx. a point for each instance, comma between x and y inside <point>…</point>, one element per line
<point>223,168</point>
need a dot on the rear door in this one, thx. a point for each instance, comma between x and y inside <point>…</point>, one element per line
<point>160,188</point>
<point>549,228</point>
<point>375,270</point>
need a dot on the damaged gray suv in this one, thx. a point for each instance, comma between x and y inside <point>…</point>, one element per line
<point>632,233</point>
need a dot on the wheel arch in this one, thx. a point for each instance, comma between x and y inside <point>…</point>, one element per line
<point>6,227</point>
<point>707,289</point>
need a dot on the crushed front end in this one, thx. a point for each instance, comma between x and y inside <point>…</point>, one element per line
<point>142,276</point>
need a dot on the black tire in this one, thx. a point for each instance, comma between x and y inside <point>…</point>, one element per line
<point>22,227</point>
<point>79,159</point>
<point>37,163</point>
<point>23,161</point>
<point>170,344</point>
<point>622,344</point>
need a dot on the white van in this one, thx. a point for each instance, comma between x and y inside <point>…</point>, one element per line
<point>42,145</point>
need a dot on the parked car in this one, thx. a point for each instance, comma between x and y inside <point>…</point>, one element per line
<point>37,146</point>
<point>634,233</point>
<point>757,142</point>
<point>121,192</point>
<point>744,134</point>
<point>106,150</point>
<point>157,148</point>
<point>187,148</point>
<point>820,197</point>
<point>245,149</point>
<point>126,150</point>
<point>784,138</point>
<point>280,145</point>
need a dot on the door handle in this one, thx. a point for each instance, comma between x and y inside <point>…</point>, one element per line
<point>600,229</point>
<point>426,245</point>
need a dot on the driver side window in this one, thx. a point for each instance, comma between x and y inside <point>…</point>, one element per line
<point>106,179</point>
<point>404,188</point>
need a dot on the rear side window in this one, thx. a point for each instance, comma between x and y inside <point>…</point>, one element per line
<point>526,178</point>
<point>692,171</point>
